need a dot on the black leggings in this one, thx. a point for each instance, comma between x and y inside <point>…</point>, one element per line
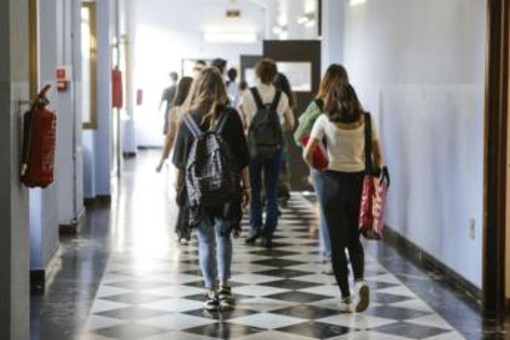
<point>342,194</point>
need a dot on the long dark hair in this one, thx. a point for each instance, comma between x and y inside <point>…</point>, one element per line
<point>336,75</point>
<point>182,91</point>
<point>282,83</point>
<point>342,105</point>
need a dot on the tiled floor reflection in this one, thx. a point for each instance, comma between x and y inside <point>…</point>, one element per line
<point>152,289</point>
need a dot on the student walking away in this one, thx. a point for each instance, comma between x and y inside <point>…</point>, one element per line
<point>174,117</point>
<point>199,66</point>
<point>335,77</point>
<point>212,152</point>
<point>233,90</point>
<point>343,127</point>
<point>267,114</point>
<point>282,83</point>
<point>167,97</point>
<point>221,65</point>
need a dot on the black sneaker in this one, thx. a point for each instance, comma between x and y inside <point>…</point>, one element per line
<point>266,242</point>
<point>254,235</point>
<point>211,302</point>
<point>226,298</point>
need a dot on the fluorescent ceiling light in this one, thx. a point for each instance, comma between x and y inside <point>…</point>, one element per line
<point>230,37</point>
<point>353,3</point>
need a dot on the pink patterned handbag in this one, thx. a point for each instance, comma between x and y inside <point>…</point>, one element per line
<point>373,194</point>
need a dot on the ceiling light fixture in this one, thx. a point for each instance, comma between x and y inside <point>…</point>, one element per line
<point>307,19</point>
<point>353,3</point>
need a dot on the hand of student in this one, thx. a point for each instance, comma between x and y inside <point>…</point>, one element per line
<point>159,167</point>
<point>245,198</point>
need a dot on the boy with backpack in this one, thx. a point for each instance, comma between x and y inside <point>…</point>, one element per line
<point>267,113</point>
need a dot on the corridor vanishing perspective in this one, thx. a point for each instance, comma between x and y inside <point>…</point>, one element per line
<point>152,287</point>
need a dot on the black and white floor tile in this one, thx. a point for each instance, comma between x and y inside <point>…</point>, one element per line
<point>281,294</point>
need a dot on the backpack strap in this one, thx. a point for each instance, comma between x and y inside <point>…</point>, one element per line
<point>257,98</point>
<point>222,121</point>
<point>192,125</point>
<point>276,100</point>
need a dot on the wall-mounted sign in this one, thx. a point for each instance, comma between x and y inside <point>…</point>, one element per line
<point>63,74</point>
<point>233,13</point>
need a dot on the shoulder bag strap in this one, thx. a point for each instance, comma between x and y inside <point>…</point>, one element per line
<point>368,144</point>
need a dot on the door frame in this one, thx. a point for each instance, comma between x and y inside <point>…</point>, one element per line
<point>495,159</point>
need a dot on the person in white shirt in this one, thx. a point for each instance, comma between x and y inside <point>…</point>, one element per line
<point>266,72</point>
<point>233,88</point>
<point>343,128</point>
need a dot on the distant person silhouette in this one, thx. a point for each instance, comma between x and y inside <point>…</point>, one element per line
<point>167,97</point>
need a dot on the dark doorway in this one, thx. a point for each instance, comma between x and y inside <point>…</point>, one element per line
<point>300,60</point>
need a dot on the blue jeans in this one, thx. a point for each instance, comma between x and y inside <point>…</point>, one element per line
<point>214,252</point>
<point>324,241</point>
<point>271,168</point>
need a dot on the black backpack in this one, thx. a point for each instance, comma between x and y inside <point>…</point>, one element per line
<point>209,176</point>
<point>265,136</point>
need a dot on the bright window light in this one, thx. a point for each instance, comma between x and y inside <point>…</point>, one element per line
<point>353,3</point>
<point>230,37</point>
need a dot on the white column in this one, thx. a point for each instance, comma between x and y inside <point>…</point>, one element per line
<point>44,222</point>
<point>69,150</point>
<point>14,235</point>
<point>102,136</point>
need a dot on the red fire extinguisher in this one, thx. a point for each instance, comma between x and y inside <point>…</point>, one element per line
<point>39,140</point>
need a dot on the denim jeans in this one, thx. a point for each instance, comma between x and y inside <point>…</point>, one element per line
<point>324,241</point>
<point>271,169</point>
<point>214,252</point>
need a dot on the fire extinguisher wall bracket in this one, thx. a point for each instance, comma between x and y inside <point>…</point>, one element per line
<point>39,139</point>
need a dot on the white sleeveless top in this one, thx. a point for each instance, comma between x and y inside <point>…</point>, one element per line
<point>346,148</point>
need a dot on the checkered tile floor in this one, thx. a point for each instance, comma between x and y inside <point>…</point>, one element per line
<point>281,294</point>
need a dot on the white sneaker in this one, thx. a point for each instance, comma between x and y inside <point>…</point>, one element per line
<point>327,268</point>
<point>362,296</point>
<point>346,305</point>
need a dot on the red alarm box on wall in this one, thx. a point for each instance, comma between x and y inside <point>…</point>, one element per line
<point>320,155</point>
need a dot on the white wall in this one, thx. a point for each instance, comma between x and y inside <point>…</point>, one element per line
<point>14,231</point>
<point>419,67</point>
<point>44,217</point>
<point>167,32</point>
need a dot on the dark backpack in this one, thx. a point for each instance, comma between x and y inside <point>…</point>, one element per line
<point>265,136</point>
<point>209,176</point>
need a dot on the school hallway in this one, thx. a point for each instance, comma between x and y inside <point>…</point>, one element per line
<point>126,277</point>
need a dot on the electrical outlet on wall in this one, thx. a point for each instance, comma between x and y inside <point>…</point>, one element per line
<point>472,228</point>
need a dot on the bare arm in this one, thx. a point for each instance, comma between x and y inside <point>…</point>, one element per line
<point>244,117</point>
<point>378,158</point>
<point>290,122</point>
<point>245,180</point>
<point>308,151</point>
<point>170,137</point>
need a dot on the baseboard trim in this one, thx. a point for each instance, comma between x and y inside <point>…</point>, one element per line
<point>74,227</point>
<point>40,279</point>
<point>131,154</point>
<point>412,251</point>
<point>100,199</point>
